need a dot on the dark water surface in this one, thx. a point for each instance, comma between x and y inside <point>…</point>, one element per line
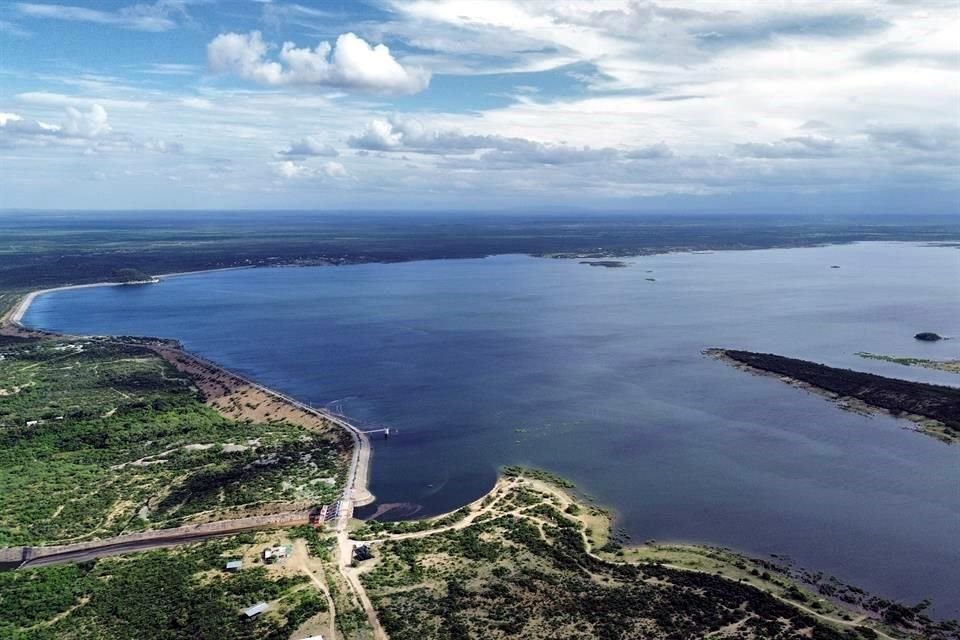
<point>597,374</point>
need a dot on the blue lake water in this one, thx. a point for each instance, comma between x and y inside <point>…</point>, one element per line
<point>597,374</point>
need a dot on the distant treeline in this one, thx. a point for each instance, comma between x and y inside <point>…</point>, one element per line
<point>897,396</point>
<point>48,249</point>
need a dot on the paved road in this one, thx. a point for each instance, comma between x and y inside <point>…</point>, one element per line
<point>146,541</point>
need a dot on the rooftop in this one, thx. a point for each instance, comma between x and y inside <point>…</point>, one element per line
<point>256,609</point>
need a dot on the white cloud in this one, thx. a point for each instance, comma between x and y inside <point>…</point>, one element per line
<point>170,69</point>
<point>13,125</point>
<point>289,169</point>
<point>163,146</point>
<point>665,97</point>
<point>294,170</point>
<point>658,151</point>
<point>76,125</point>
<point>793,147</point>
<point>8,117</point>
<point>928,137</point>
<point>138,17</point>
<point>308,146</point>
<point>351,63</point>
<point>47,98</point>
<point>528,151</point>
<point>86,125</point>
<point>13,30</point>
<point>333,170</point>
<point>378,135</point>
<point>196,103</point>
<point>396,134</point>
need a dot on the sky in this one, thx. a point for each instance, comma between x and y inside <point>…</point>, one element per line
<point>839,106</point>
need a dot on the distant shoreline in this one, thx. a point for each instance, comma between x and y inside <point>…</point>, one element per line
<point>15,315</point>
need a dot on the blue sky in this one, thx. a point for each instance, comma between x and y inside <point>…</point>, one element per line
<point>851,105</point>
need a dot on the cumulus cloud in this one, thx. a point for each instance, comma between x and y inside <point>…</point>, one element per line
<point>797,147</point>
<point>91,124</point>
<point>76,124</point>
<point>350,63</point>
<point>293,170</point>
<point>308,146</point>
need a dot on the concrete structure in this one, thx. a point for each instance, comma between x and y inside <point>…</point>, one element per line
<point>319,518</point>
<point>274,554</point>
<point>143,540</point>
<point>362,552</point>
<point>255,610</point>
<point>234,565</point>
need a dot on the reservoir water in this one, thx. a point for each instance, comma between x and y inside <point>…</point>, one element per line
<point>597,374</point>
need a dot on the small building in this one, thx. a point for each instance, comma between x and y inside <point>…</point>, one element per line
<point>255,610</point>
<point>362,552</point>
<point>318,518</point>
<point>234,565</point>
<point>275,554</point>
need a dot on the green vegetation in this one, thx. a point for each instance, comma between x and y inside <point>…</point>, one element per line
<point>8,299</point>
<point>537,474</point>
<point>952,366</point>
<point>128,274</point>
<point>42,250</point>
<point>374,528</point>
<point>319,545</point>
<point>527,572</point>
<point>99,437</point>
<point>169,595</point>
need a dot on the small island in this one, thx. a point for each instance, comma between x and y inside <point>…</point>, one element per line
<point>609,264</point>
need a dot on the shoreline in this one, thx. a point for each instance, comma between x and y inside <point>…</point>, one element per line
<point>924,424</point>
<point>358,474</point>
<point>595,528</point>
<point>15,314</point>
<point>357,488</point>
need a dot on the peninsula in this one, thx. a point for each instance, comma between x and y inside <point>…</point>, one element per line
<point>935,409</point>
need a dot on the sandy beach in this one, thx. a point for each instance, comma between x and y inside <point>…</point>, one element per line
<point>15,314</point>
